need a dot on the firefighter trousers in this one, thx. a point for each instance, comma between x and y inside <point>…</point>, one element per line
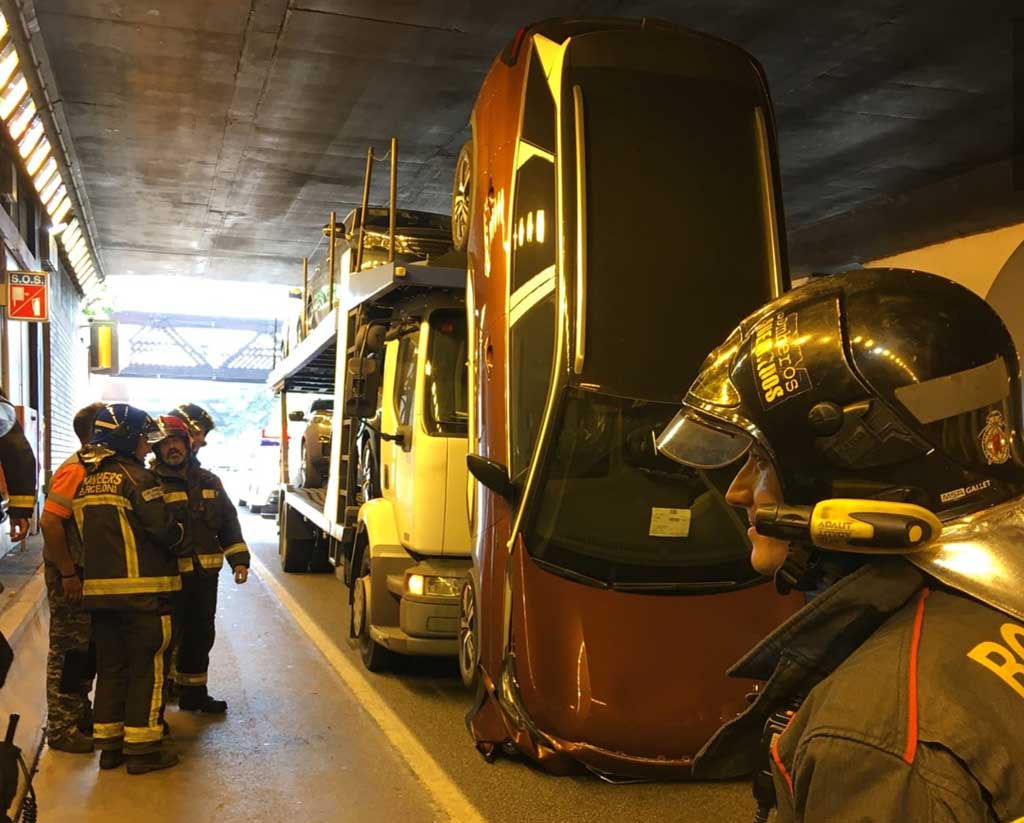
<point>195,615</point>
<point>133,650</point>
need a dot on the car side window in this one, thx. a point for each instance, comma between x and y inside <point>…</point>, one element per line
<point>405,378</point>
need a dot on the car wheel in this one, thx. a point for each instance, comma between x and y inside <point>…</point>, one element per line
<point>469,635</point>
<point>462,190</point>
<point>375,657</point>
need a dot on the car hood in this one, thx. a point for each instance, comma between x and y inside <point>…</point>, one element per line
<point>642,675</point>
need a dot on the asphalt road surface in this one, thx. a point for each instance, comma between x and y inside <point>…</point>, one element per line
<point>428,696</point>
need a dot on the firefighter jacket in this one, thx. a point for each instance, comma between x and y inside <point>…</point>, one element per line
<point>912,705</point>
<point>213,533</point>
<point>130,537</point>
<point>18,463</point>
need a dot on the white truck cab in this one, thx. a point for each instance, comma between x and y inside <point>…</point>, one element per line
<point>412,544</point>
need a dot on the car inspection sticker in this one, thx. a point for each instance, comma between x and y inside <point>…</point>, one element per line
<point>669,522</point>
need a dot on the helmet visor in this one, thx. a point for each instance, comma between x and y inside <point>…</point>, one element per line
<point>696,442</point>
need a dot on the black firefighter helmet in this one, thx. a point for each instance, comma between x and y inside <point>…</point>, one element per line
<point>195,417</point>
<point>885,384</point>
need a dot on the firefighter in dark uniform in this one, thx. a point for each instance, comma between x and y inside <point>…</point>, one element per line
<point>131,572</point>
<point>199,421</point>
<point>214,535</point>
<point>880,416</point>
<point>19,465</point>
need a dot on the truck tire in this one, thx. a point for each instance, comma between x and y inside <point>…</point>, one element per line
<point>374,656</point>
<point>462,192</point>
<point>469,635</point>
<point>295,552</point>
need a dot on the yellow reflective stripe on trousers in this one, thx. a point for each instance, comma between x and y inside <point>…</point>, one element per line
<point>175,497</point>
<point>132,585</point>
<point>158,678</point>
<point>131,551</point>
<point>143,734</point>
<point>21,501</point>
<point>190,679</point>
<point>235,548</point>
<point>107,731</point>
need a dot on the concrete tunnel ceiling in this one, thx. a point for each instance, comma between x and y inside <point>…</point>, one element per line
<point>214,137</point>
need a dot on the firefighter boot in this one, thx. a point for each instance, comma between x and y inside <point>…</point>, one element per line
<point>111,758</point>
<point>74,742</point>
<point>197,699</point>
<point>151,761</point>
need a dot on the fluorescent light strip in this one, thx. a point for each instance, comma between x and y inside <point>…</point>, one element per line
<point>46,175</point>
<point>22,118</point>
<point>14,95</point>
<point>51,186</point>
<point>38,156</point>
<point>54,200</point>
<point>8,63</point>
<point>31,139</point>
<point>76,259</point>
<point>61,211</point>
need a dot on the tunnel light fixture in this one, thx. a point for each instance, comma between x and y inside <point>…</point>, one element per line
<point>22,118</point>
<point>78,246</point>
<point>57,228</point>
<point>46,175</point>
<point>8,63</point>
<point>13,95</point>
<point>54,200</point>
<point>31,139</point>
<point>38,156</point>
<point>70,236</point>
<point>3,26</point>
<point>76,260</point>
<point>51,186</point>
<point>61,211</point>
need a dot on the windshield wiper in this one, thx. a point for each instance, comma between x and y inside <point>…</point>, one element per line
<point>572,575</point>
<point>677,586</point>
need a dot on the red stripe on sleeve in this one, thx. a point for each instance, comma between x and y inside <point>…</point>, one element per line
<point>915,642</point>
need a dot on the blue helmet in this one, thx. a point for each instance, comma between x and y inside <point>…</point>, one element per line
<point>119,426</point>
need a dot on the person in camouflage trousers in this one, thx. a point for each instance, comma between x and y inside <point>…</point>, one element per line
<point>71,662</point>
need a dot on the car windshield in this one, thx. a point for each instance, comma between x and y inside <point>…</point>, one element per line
<point>668,278</point>
<point>445,407</point>
<point>407,219</point>
<point>612,511</point>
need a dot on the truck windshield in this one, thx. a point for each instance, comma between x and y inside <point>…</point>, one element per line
<point>613,511</point>
<point>445,398</point>
<point>677,230</point>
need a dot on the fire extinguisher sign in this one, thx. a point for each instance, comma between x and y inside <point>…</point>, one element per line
<point>28,296</point>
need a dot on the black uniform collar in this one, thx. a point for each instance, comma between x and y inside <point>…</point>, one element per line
<point>803,651</point>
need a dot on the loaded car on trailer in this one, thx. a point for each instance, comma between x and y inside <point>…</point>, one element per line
<point>620,203</point>
<point>392,353</point>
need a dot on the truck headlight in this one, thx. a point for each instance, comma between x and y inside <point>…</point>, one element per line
<point>431,586</point>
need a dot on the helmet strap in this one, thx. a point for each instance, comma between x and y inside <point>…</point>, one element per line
<point>802,570</point>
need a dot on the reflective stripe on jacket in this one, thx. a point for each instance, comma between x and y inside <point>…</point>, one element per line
<point>18,463</point>
<point>129,537</point>
<point>213,532</point>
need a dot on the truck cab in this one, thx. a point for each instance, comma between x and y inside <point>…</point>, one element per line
<point>412,543</point>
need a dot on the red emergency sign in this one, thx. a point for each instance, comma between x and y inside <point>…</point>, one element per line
<point>28,296</point>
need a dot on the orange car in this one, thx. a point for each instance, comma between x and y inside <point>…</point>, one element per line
<point>620,205</point>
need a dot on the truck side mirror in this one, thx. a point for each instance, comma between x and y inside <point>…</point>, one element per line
<point>362,387</point>
<point>493,475</point>
<point>297,416</point>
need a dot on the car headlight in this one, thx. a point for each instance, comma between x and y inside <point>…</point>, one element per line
<point>433,586</point>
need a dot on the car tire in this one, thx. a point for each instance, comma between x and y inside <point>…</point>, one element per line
<point>374,656</point>
<point>462,193</point>
<point>310,475</point>
<point>469,635</point>
<point>367,481</point>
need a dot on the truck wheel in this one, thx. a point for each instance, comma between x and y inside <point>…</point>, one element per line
<point>469,635</point>
<point>375,657</point>
<point>295,552</point>
<point>462,189</point>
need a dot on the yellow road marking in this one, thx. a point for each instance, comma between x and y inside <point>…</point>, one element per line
<point>444,791</point>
